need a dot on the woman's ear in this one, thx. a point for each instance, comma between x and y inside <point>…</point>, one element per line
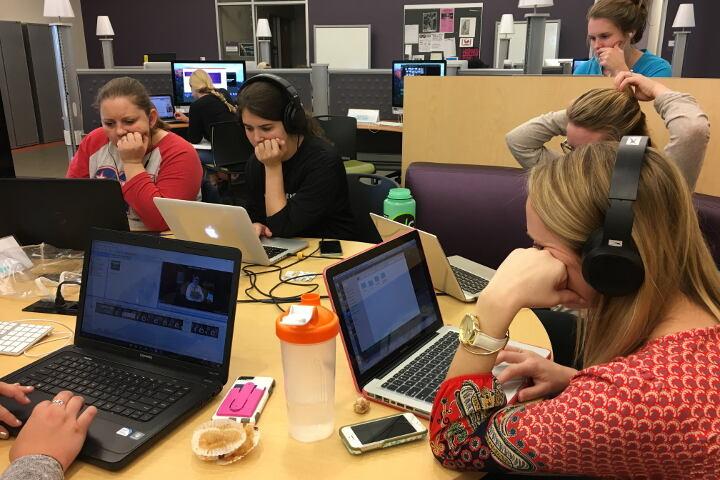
<point>153,118</point>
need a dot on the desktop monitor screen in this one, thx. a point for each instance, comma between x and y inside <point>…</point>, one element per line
<point>412,68</point>
<point>229,75</point>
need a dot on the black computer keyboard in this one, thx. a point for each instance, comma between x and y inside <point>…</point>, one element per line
<point>469,282</point>
<point>133,395</point>
<point>273,251</point>
<point>422,377</point>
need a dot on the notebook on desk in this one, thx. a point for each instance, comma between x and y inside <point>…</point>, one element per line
<point>152,340</point>
<point>224,225</point>
<point>457,276</point>
<point>398,348</point>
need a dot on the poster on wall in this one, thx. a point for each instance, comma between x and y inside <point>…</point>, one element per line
<point>436,41</point>
<point>424,43</point>
<point>467,27</point>
<point>469,53</point>
<point>411,33</point>
<point>466,42</point>
<point>449,47</point>
<point>430,22</point>
<point>447,20</point>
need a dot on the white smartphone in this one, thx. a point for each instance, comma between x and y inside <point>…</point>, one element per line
<point>382,433</point>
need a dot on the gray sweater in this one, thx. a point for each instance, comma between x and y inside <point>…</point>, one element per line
<point>688,126</point>
<point>33,467</point>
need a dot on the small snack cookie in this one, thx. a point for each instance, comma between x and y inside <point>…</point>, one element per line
<point>215,439</point>
<point>253,438</point>
<point>361,406</point>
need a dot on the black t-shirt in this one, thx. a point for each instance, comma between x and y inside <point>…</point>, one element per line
<point>205,111</point>
<point>316,189</point>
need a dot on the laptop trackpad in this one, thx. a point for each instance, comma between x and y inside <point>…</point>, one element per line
<point>108,435</point>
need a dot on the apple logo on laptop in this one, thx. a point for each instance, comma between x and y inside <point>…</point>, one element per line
<point>211,232</point>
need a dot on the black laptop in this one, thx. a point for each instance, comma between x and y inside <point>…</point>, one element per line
<point>152,340</point>
<point>60,211</point>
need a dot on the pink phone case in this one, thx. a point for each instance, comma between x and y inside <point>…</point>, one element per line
<point>241,401</point>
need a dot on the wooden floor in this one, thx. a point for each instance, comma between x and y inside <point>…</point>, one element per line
<point>45,160</point>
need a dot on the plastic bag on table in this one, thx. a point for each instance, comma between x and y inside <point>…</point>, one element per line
<point>34,271</point>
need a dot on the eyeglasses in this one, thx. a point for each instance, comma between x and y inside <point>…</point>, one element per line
<point>566,147</point>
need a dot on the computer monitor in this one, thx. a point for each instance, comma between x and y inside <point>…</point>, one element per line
<point>412,68</point>
<point>229,74</point>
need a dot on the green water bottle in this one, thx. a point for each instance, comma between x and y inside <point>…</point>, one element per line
<point>400,206</point>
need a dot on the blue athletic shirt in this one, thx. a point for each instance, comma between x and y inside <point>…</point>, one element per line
<point>649,65</point>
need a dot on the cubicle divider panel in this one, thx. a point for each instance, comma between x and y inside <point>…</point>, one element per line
<point>299,77</point>
<point>91,81</point>
<point>465,119</point>
<point>368,89</point>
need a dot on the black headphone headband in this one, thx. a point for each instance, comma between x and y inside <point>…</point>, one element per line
<point>611,262</point>
<point>294,119</point>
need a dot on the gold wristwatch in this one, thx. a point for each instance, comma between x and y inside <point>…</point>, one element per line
<point>475,341</point>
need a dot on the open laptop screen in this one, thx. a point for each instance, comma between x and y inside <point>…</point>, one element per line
<point>164,106</point>
<point>385,301</point>
<point>158,301</point>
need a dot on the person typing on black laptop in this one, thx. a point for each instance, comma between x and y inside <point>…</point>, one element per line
<point>51,438</point>
<point>296,181</point>
<point>133,147</point>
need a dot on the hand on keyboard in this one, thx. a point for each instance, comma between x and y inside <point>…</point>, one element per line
<point>17,393</point>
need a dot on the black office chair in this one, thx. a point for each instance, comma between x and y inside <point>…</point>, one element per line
<point>367,194</point>
<point>231,150</point>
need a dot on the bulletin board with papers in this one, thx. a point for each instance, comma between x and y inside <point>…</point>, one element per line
<point>439,31</point>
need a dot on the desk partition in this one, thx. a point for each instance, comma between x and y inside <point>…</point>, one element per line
<point>367,89</point>
<point>465,119</point>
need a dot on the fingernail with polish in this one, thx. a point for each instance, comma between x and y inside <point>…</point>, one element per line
<point>4,435</point>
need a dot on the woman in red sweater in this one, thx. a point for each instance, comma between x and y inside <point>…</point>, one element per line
<point>133,147</point>
<point>647,403</point>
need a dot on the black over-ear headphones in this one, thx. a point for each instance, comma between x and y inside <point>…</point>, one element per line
<point>294,119</point>
<point>611,263</point>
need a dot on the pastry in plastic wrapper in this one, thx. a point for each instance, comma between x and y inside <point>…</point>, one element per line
<point>224,441</point>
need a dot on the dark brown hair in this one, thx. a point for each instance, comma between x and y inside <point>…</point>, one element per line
<point>135,91</point>
<point>267,100</point>
<point>627,15</point>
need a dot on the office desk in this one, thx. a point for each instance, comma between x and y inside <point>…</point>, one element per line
<point>256,351</point>
<point>380,139</point>
<point>377,127</point>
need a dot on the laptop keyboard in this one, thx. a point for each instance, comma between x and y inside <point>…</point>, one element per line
<point>469,282</point>
<point>273,251</point>
<point>115,390</point>
<point>422,377</point>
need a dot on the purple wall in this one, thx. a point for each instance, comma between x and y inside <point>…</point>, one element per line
<point>701,52</point>
<point>186,27</point>
<point>387,16</point>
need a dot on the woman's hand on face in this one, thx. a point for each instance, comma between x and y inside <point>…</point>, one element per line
<point>261,230</point>
<point>549,378</point>
<point>612,59</point>
<point>18,393</point>
<point>132,148</point>
<point>529,277</point>
<point>55,429</point>
<point>644,88</point>
<point>271,152</point>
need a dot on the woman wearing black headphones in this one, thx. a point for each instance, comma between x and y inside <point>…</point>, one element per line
<point>296,181</point>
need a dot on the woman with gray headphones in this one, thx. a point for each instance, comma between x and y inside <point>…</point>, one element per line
<point>297,186</point>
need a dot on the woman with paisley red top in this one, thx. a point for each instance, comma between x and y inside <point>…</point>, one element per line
<point>647,403</point>
<point>133,147</point>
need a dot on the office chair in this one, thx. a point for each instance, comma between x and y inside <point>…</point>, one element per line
<point>367,193</point>
<point>230,150</point>
<point>342,132</point>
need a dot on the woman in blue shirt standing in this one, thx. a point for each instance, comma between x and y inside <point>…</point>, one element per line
<point>614,26</point>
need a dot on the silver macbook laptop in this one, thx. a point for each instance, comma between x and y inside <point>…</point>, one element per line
<point>457,276</point>
<point>224,225</point>
<point>165,108</point>
<point>398,348</point>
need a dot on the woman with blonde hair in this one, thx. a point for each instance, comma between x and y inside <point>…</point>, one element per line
<point>606,114</point>
<point>614,27</point>
<point>647,403</point>
<point>211,105</point>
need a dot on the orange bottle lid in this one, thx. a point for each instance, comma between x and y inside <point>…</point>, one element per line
<point>323,326</point>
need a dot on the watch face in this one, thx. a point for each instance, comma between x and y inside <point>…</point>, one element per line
<point>467,328</point>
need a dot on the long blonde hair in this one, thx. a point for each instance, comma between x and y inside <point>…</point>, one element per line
<point>570,195</point>
<point>201,82</point>
<point>607,110</point>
